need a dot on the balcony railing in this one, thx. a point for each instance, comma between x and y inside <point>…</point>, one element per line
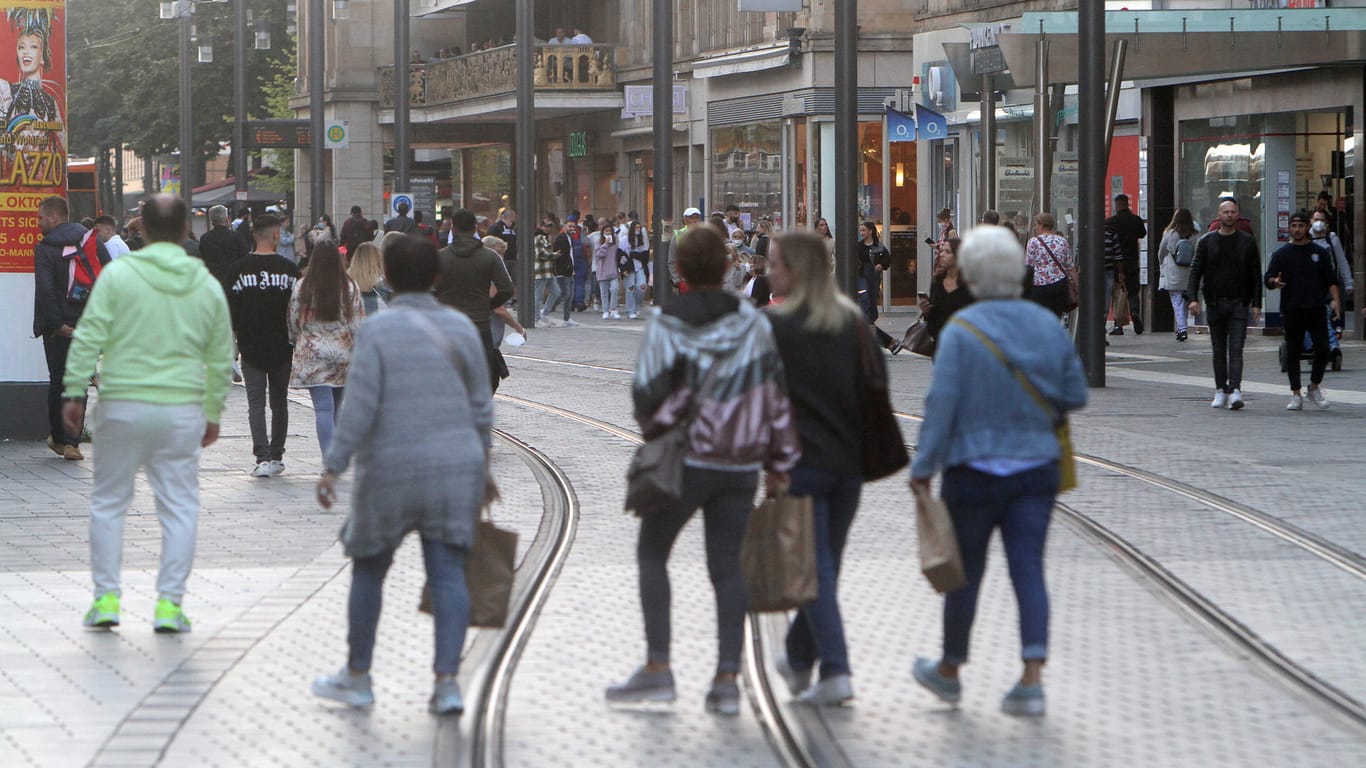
<point>493,72</point>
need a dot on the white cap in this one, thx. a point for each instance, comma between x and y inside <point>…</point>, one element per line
<point>692,212</point>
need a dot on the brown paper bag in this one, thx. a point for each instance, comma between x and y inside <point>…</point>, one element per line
<point>1119,306</point>
<point>779,554</point>
<point>940,559</point>
<point>490,569</point>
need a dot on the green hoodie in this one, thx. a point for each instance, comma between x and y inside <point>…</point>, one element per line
<point>160,321</point>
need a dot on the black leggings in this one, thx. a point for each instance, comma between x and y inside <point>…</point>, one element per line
<point>726,499</point>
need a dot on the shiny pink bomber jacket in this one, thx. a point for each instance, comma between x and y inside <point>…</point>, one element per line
<point>745,420</point>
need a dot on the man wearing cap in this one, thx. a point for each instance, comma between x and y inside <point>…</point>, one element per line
<point>691,218</point>
<point>1130,229</point>
<point>1229,266</point>
<point>1304,273</point>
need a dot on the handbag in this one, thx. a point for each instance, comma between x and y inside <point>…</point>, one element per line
<point>490,568</point>
<point>1119,305</point>
<point>940,558</point>
<point>1067,464</point>
<point>918,339</point>
<point>883,449</point>
<point>654,481</point>
<point>778,554</point>
<point>1073,287</point>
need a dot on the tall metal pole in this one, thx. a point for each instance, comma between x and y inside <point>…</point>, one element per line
<point>402,98</point>
<point>526,162</point>
<point>846,146</point>
<point>1115,80</point>
<point>986,183</point>
<point>1043,128</point>
<point>239,95</point>
<point>187,153</point>
<point>318,190</point>
<point>1091,158</point>
<point>663,116</point>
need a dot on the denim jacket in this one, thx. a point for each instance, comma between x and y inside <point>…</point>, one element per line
<point>976,409</point>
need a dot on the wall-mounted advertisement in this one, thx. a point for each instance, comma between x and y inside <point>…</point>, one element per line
<point>33,128</point>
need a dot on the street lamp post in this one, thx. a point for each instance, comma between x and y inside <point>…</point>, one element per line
<point>315,107</point>
<point>401,95</point>
<point>186,8</point>
<point>239,90</point>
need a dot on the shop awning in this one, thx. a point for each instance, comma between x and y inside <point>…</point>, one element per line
<point>436,9</point>
<point>1182,43</point>
<point>752,60</point>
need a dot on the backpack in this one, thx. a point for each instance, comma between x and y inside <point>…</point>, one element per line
<point>83,268</point>
<point>1184,253</point>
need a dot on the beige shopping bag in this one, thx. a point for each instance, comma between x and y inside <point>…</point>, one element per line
<point>779,554</point>
<point>940,559</point>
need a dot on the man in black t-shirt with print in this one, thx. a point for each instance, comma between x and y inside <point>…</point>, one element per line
<point>258,301</point>
<point>1304,273</point>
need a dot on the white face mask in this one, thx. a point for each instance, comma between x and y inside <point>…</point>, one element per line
<point>1318,227</point>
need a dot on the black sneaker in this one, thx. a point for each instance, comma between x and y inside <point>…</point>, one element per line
<point>1118,330</point>
<point>1181,336</point>
<point>724,698</point>
<point>1138,325</point>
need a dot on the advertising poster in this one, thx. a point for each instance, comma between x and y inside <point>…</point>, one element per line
<point>33,124</point>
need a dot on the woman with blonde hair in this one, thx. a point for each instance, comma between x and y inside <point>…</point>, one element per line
<point>819,338</point>
<point>324,313</point>
<point>367,270</point>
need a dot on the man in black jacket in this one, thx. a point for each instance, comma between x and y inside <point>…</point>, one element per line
<point>467,269</point>
<point>1229,265</point>
<point>1130,229</point>
<point>355,230</point>
<point>220,248</point>
<point>1304,273</point>
<point>57,306</point>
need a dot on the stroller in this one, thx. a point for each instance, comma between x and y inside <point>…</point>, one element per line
<point>1307,351</point>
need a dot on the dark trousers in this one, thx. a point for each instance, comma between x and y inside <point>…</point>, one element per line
<point>1227,320</point>
<point>1132,289</point>
<point>1297,323</point>
<point>55,348</point>
<point>580,281</point>
<point>1053,297</point>
<point>725,499</point>
<point>263,383</point>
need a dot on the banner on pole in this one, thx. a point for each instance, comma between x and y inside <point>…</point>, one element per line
<point>32,122</point>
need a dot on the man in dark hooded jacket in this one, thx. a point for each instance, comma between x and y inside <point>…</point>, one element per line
<point>57,306</point>
<point>467,269</point>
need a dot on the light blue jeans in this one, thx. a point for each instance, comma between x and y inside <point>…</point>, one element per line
<point>634,286</point>
<point>326,404</point>
<point>1021,506</point>
<point>445,567</point>
<point>607,291</point>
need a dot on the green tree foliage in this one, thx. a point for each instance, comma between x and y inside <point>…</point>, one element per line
<point>123,74</point>
<point>278,88</point>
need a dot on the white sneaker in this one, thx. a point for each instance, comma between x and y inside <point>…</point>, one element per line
<point>262,469</point>
<point>1235,400</point>
<point>1296,403</point>
<point>633,316</point>
<point>1317,397</point>
<point>616,315</point>
<point>277,468</point>
<point>1220,399</point>
<point>570,324</point>
<point>606,315</point>
<point>550,322</point>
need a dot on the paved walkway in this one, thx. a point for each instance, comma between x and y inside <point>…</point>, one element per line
<point>1132,679</point>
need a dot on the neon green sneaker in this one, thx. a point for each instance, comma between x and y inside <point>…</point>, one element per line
<point>170,618</point>
<point>104,613</point>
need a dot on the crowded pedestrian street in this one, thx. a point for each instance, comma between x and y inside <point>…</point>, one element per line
<point>1206,578</point>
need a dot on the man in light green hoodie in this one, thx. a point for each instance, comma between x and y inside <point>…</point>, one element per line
<point>160,322</point>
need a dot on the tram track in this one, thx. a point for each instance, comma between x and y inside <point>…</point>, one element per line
<point>476,740</point>
<point>789,738</point>
<point>794,745</point>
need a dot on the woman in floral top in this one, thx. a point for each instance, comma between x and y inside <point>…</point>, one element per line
<point>1050,256</point>
<point>324,313</point>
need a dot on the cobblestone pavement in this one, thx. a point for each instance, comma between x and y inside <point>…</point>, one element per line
<point>1131,680</point>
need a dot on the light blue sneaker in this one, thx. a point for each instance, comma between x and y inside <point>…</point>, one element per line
<point>926,673</point>
<point>1024,701</point>
<point>446,699</point>
<point>349,689</point>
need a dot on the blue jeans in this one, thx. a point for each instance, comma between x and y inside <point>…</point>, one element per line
<point>547,292</point>
<point>1021,505</point>
<point>581,288</point>
<point>818,628</point>
<point>326,404</point>
<point>445,567</point>
<point>634,286</point>
<point>1227,320</point>
<point>607,291</point>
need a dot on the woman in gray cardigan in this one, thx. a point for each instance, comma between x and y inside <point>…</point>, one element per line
<point>421,455</point>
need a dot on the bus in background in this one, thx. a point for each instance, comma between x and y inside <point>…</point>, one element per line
<point>82,191</point>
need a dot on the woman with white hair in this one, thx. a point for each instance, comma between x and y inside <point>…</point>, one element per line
<point>997,445</point>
